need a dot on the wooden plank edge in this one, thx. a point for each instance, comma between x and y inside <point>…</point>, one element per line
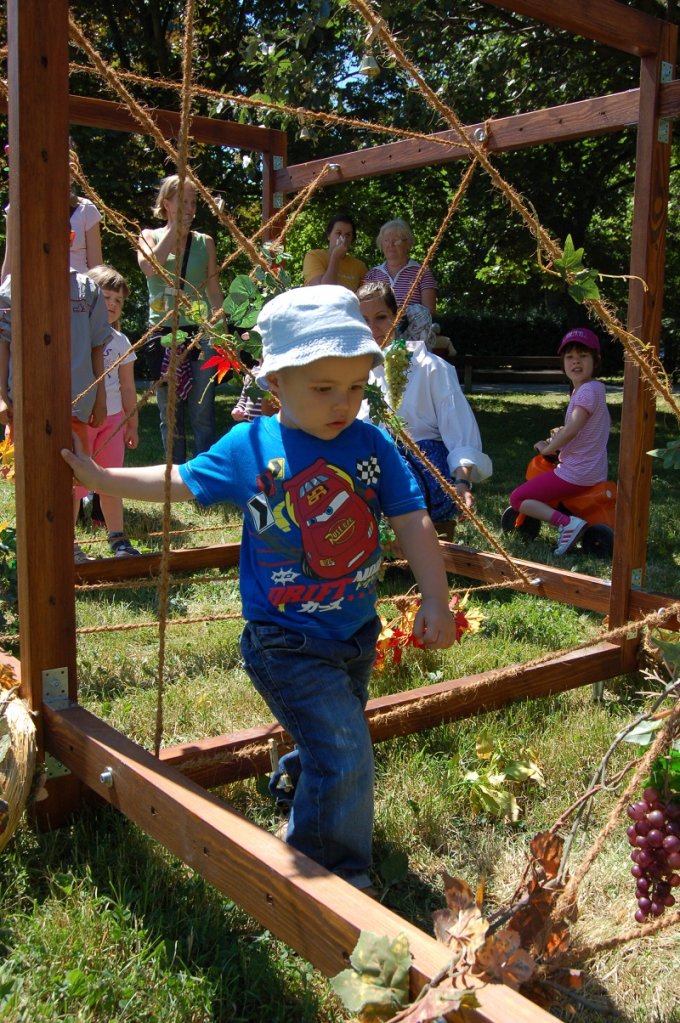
<point>93,112</point>
<point>598,115</point>
<point>284,890</point>
<point>584,591</point>
<point>604,21</point>
<point>222,759</point>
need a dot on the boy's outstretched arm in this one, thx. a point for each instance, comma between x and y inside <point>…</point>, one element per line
<point>139,483</point>
<point>434,624</point>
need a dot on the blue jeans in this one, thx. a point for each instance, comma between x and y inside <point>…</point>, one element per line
<point>317,689</point>
<point>199,407</point>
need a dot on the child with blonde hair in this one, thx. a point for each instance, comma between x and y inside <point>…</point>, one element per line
<point>120,430</point>
<point>312,482</point>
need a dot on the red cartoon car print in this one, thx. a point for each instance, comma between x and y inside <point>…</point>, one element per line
<point>338,529</point>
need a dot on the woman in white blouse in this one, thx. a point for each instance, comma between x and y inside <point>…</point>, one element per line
<point>433,407</point>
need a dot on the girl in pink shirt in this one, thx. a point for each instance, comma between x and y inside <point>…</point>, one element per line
<point>581,443</point>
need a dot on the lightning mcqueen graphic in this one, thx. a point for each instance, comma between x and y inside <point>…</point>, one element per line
<point>339,531</point>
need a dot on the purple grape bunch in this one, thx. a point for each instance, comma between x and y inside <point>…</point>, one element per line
<point>655,836</point>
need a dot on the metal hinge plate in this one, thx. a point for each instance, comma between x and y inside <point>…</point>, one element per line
<point>55,688</point>
<point>54,768</point>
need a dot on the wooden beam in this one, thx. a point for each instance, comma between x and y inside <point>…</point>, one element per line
<point>244,754</point>
<point>285,891</point>
<point>648,254</point>
<point>558,584</point>
<point>605,21</point>
<point>193,559</point>
<point>600,115</point>
<point>102,113</point>
<point>41,343</point>
<point>596,116</point>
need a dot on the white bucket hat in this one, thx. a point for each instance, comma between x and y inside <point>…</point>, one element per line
<point>306,324</point>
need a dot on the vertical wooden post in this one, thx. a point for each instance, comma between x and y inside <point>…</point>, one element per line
<point>644,319</point>
<point>271,200</point>
<point>41,345</point>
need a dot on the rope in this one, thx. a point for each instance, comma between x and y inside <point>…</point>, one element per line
<point>182,167</point>
<point>140,113</point>
<point>322,116</point>
<point>659,746</point>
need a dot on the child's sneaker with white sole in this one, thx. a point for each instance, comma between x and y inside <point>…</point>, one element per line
<point>569,534</point>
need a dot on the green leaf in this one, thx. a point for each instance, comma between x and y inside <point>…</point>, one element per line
<point>572,259</point>
<point>670,455</point>
<point>243,289</point>
<point>394,868</point>
<point>484,745</point>
<point>76,983</point>
<point>585,289</point>
<point>378,982</point>
<point>198,311</point>
<point>523,770</point>
<point>495,801</point>
<point>235,311</point>
<point>670,650</point>
<point>643,733</point>
<point>665,772</point>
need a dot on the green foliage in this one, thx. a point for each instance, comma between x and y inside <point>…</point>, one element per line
<point>669,455</point>
<point>243,302</point>
<point>8,578</point>
<point>664,775</point>
<point>581,282</point>
<point>377,983</point>
<point>491,787</point>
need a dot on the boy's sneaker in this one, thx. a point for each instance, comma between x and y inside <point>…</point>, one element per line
<point>121,546</point>
<point>569,534</point>
<point>79,555</point>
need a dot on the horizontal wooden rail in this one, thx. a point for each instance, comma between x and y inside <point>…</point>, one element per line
<point>599,115</point>
<point>285,891</point>
<point>103,113</point>
<point>585,591</point>
<point>604,21</point>
<point>244,754</point>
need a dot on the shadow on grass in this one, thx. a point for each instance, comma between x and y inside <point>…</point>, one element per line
<point>248,974</point>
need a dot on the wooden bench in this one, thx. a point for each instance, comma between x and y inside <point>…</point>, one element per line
<point>511,369</point>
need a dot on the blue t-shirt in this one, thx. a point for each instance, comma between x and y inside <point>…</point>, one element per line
<point>310,549</point>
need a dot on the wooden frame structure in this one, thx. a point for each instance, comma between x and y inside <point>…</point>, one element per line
<point>281,888</point>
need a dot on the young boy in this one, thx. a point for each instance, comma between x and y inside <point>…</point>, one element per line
<point>312,482</point>
<point>89,332</point>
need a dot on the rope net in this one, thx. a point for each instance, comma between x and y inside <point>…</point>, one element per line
<point>477,146</point>
<point>279,225</point>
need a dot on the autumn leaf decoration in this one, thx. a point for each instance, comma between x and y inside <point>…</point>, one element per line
<point>222,363</point>
<point>396,636</point>
<point>466,617</point>
<point>7,459</point>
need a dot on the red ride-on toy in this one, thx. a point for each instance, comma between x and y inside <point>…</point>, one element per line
<point>596,505</point>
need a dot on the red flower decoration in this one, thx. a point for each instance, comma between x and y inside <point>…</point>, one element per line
<point>222,362</point>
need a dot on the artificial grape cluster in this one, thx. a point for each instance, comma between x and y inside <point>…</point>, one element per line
<point>655,836</point>
<point>397,359</point>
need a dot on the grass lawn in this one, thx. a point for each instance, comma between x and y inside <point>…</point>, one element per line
<point>99,924</point>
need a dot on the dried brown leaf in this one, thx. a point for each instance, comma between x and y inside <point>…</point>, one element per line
<point>558,939</point>
<point>463,932</point>
<point>502,959</point>
<point>437,1002</point>
<point>459,894</point>
<point>546,849</point>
